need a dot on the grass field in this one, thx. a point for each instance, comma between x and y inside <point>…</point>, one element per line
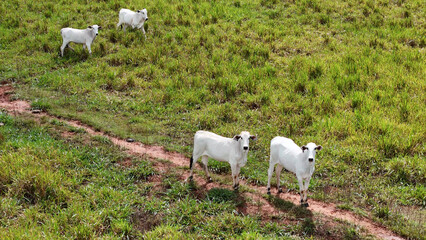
<point>349,75</point>
<point>59,182</point>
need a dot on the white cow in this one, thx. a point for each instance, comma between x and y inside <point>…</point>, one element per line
<point>232,150</point>
<point>136,19</point>
<point>83,36</point>
<point>299,160</point>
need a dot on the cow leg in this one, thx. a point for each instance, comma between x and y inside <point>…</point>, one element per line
<point>278,173</point>
<point>305,197</point>
<point>64,44</point>
<point>270,172</point>
<point>237,173</point>
<point>68,45</point>
<point>234,176</point>
<point>205,160</point>
<point>193,160</point>
<point>143,30</point>
<point>88,48</point>
<point>119,24</point>
<point>301,190</point>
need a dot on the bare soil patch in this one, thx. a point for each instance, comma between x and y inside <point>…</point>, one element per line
<point>11,106</point>
<point>145,221</point>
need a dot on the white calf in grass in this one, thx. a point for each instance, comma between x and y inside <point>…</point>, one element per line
<point>136,19</point>
<point>299,160</point>
<point>232,150</point>
<point>83,36</point>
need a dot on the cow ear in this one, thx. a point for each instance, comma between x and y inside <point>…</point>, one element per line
<point>253,137</point>
<point>99,27</point>
<point>237,137</point>
<point>304,148</point>
<point>89,27</point>
<point>318,148</point>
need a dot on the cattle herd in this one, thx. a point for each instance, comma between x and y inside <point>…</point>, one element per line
<point>86,36</point>
<point>283,152</point>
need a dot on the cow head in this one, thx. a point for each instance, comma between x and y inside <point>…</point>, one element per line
<point>94,28</point>
<point>244,140</point>
<point>144,14</point>
<point>310,149</point>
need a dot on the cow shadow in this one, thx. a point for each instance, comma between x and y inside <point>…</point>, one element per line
<point>288,207</point>
<point>218,195</point>
<point>72,56</point>
<point>297,212</point>
<point>292,211</point>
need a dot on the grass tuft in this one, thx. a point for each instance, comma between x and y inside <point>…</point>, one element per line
<point>221,195</point>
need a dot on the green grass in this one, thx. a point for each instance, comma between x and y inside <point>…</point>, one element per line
<point>348,75</point>
<point>54,189</point>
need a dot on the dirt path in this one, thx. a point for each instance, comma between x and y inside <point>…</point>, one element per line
<point>263,205</point>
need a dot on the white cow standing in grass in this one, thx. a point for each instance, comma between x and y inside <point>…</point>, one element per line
<point>299,160</point>
<point>83,36</point>
<point>136,19</point>
<point>232,150</point>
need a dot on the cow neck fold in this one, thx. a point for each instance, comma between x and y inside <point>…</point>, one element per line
<point>92,34</point>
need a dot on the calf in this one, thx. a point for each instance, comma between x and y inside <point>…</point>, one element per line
<point>136,19</point>
<point>84,36</point>
<point>299,160</point>
<point>232,150</point>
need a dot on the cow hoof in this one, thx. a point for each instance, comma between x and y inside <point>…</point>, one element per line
<point>236,188</point>
<point>209,180</point>
<point>280,190</point>
<point>269,191</point>
<point>190,178</point>
<point>305,204</point>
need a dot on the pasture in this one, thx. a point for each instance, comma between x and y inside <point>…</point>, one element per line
<point>347,75</point>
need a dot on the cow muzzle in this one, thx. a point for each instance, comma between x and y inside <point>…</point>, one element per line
<point>310,159</point>
<point>245,148</point>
